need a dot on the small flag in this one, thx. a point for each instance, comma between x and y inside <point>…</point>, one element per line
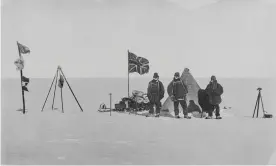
<point>25,88</point>
<point>137,64</point>
<point>23,49</point>
<point>25,82</point>
<point>19,63</point>
<point>60,81</point>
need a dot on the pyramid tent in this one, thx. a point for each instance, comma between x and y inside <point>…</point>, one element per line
<point>193,88</point>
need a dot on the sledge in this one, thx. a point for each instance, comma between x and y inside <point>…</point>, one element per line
<point>145,113</point>
<point>103,108</point>
<point>169,115</point>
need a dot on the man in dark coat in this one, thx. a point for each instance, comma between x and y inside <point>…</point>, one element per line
<point>203,101</point>
<point>214,91</point>
<point>178,95</point>
<point>155,94</point>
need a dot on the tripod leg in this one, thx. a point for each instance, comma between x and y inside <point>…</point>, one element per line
<point>61,100</point>
<point>255,106</point>
<point>71,90</point>
<point>262,104</point>
<point>258,105</point>
<point>55,92</point>
<point>49,92</point>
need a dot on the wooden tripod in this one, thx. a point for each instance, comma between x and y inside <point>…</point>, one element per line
<point>258,103</point>
<point>59,73</point>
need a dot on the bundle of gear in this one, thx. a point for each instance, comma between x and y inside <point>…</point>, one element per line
<point>137,102</point>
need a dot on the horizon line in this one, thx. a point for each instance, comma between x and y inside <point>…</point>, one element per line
<point>147,77</point>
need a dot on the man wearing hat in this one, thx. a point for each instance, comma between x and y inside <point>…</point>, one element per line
<point>178,95</point>
<point>155,94</point>
<point>214,90</point>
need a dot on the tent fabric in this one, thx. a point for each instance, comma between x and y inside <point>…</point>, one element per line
<point>193,88</point>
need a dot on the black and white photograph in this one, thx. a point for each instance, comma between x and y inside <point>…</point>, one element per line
<point>138,82</point>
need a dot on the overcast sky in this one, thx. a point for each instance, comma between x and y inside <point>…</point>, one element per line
<point>90,38</point>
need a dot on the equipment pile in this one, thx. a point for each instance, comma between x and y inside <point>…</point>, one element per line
<point>137,102</point>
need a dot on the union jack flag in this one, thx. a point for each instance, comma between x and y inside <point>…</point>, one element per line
<point>137,64</point>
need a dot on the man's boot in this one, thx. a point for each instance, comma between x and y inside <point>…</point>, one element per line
<point>187,117</point>
<point>218,117</point>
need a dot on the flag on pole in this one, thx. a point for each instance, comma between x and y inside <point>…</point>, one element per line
<point>19,63</point>
<point>25,88</point>
<point>23,49</point>
<point>137,64</point>
<point>20,66</point>
<point>25,82</point>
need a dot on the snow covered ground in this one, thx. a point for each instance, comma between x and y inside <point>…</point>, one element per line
<point>90,137</point>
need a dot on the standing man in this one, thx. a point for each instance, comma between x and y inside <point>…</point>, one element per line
<point>155,94</point>
<point>178,95</point>
<point>214,90</point>
<point>203,100</point>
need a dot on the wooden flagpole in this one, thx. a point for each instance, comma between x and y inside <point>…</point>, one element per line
<point>21,74</point>
<point>128,73</point>
<point>110,94</point>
